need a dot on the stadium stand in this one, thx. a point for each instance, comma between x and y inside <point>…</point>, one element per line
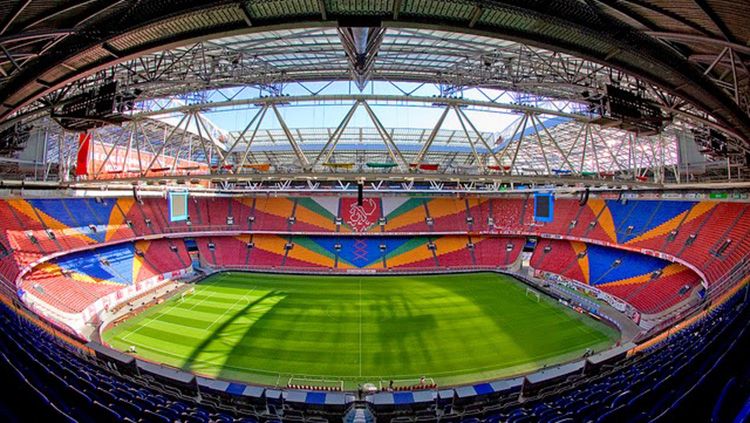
<point>650,284</point>
<point>658,294</point>
<point>73,282</point>
<point>268,251</point>
<point>506,214</point>
<point>614,222</point>
<point>29,226</point>
<point>452,252</point>
<point>656,380</point>
<point>308,253</point>
<point>448,214</point>
<point>273,214</point>
<point>104,264</point>
<point>405,215</point>
<point>314,216</point>
<point>240,212</point>
<point>381,211</point>
<point>562,258</point>
<point>497,252</point>
<point>707,235</point>
<point>339,252</point>
<point>399,235</point>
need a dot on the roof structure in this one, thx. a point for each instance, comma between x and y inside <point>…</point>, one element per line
<point>542,60</point>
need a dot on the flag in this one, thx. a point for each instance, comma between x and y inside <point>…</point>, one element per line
<point>84,144</point>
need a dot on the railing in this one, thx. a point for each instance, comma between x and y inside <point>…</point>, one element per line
<point>739,274</point>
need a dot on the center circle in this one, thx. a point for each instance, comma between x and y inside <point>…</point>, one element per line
<point>279,329</point>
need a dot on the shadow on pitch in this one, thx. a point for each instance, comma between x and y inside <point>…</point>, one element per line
<point>280,336</point>
<point>509,317</point>
<point>224,329</point>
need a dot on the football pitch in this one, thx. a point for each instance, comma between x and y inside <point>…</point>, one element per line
<point>266,329</point>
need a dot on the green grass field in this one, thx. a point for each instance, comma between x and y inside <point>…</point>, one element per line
<point>266,328</point>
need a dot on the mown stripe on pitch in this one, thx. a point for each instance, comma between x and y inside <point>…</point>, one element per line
<point>311,324</point>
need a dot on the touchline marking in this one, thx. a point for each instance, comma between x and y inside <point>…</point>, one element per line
<point>265,372</point>
<point>177,303</point>
<point>220,362</point>
<point>244,297</point>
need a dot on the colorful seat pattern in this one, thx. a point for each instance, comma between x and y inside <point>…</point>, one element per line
<point>710,235</point>
<point>351,252</point>
<point>648,283</point>
<point>74,281</point>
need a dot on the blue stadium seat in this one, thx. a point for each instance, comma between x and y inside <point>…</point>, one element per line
<point>105,413</point>
<point>641,390</point>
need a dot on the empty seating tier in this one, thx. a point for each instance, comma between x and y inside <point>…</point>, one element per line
<point>402,233</point>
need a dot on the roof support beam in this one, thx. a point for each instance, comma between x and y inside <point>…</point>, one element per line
<point>361,45</point>
<point>10,57</point>
<point>109,153</point>
<point>201,139</point>
<point>98,12</point>
<point>583,131</point>
<point>612,155</point>
<point>490,151</point>
<point>19,9</point>
<point>431,138</point>
<point>510,140</point>
<point>589,134</point>
<point>214,144</point>
<point>557,146</point>
<point>322,7</point>
<point>573,146</point>
<point>163,146</point>
<point>246,15</point>
<point>541,145</point>
<point>250,141</point>
<point>470,140</point>
<point>390,145</point>
<point>183,137</point>
<point>709,11</point>
<point>716,61</point>
<point>333,140</point>
<point>304,162</point>
<point>147,140</point>
<point>520,139</point>
<point>241,136</point>
<point>690,38</point>
<point>735,83</point>
<point>475,15</point>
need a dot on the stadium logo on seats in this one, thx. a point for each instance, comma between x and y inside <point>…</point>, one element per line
<point>362,217</point>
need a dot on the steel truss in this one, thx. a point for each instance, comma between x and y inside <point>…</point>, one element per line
<point>273,61</point>
<point>180,143</point>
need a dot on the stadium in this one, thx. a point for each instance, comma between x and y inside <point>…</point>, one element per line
<point>368,211</point>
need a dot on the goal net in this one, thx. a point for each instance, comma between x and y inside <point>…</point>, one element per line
<point>407,384</point>
<point>533,294</point>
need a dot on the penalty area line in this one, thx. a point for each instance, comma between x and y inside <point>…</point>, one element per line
<point>244,297</point>
<point>176,304</point>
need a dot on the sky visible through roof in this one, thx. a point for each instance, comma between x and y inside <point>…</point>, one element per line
<point>420,116</point>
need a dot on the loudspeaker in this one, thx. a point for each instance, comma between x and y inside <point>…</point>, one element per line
<point>360,188</point>
<point>584,197</point>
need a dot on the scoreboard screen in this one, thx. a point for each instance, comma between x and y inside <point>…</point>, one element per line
<point>544,207</point>
<point>178,207</point>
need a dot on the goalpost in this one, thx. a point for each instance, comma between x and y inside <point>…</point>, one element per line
<point>400,384</point>
<point>184,294</point>
<point>534,294</point>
